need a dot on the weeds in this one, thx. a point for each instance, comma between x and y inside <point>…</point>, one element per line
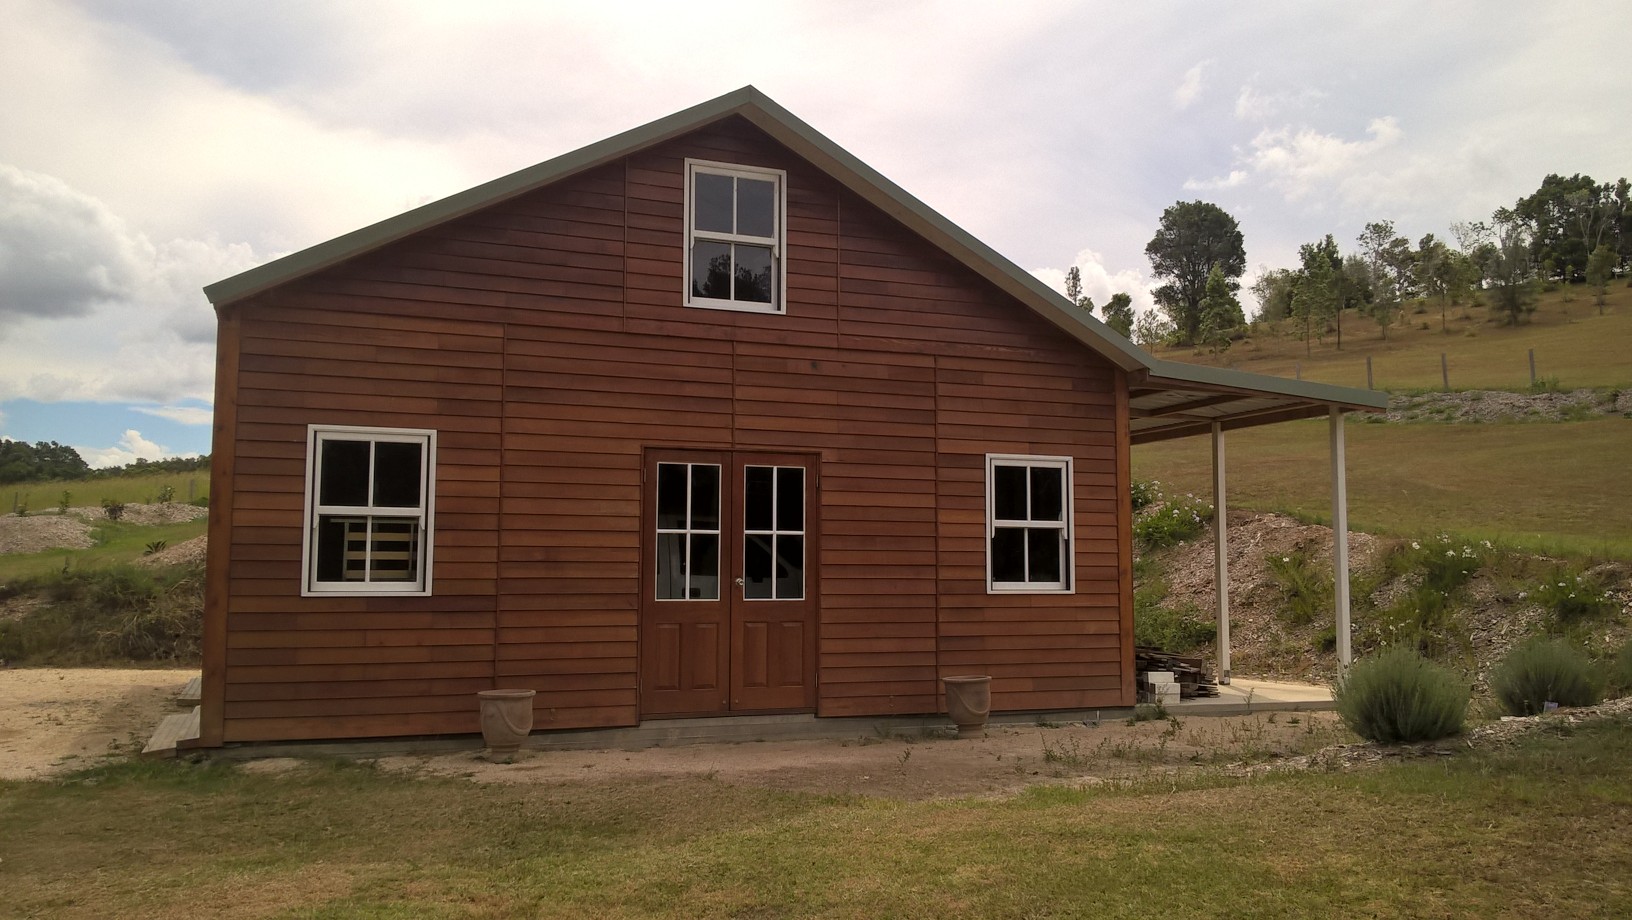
<point>1171,521</point>
<point>116,613</point>
<point>1306,588</point>
<point>1573,597</point>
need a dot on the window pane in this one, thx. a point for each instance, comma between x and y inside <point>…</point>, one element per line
<point>1044,545</point>
<point>396,474</point>
<point>1047,493</point>
<point>790,567</point>
<point>756,498</point>
<point>711,269</point>
<point>705,497</point>
<point>756,567</point>
<point>1009,554</point>
<point>756,207</point>
<point>754,274</point>
<point>330,551</point>
<point>1009,493</point>
<point>671,496</point>
<point>343,478</point>
<point>394,551</point>
<point>671,566</point>
<point>790,498</point>
<point>711,203</point>
<point>705,567</point>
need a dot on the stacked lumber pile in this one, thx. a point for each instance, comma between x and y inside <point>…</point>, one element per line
<point>1191,674</point>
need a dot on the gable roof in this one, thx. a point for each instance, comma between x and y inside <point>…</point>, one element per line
<point>1167,399</point>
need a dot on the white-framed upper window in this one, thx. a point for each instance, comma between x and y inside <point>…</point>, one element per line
<point>1028,523</point>
<point>369,498</point>
<point>735,237</point>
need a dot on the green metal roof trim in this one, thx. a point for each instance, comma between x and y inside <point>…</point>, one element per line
<point>1280,386</point>
<point>855,175</point>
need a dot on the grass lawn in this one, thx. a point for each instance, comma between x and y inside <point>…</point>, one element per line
<point>1572,343</point>
<point>1537,828</point>
<point>116,542</point>
<point>1547,487</point>
<point>89,493</point>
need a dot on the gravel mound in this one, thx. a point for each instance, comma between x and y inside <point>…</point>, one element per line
<point>38,532</point>
<point>1501,406</point>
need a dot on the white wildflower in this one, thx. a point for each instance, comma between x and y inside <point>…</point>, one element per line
<point>1416,545</point>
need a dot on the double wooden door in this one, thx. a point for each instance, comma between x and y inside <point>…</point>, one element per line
<point>728,606</point>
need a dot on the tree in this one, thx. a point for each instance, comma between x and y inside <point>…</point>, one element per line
<point>1193,237</point>
<point>1600,267</point>
<point>1567,218</point>
<point>1073,290</point>
<point>1389,263</point>
<point>1273,288</point>
<point>1315,296</point>
<point>1220,312</point>
<point>1510,273</point>
<point>1119,314</point>
<point>21,462</point>
<point>1152,329</point>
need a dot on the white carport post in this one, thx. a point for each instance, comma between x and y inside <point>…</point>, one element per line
<point>1221,564</point>
<point>1340,536</point>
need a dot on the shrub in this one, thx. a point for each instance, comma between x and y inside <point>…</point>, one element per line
<point>63,500</point>
<point>1544,671</point>
<point>167,494</point>
<point>1305,588</point>
<point>113,509</point>
<point>1400,696</point>
<point>1618,675</point>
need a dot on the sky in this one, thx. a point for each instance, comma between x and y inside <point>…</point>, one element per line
<point>150,148</point>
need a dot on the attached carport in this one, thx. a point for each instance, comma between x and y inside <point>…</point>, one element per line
<point>1169,400</point>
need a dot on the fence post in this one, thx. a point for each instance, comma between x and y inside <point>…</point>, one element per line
<point>190,484</point>
<point>1368,373</point>
<point>1444,372</point>
<point>1298,370</point>
<point>1532,368</point>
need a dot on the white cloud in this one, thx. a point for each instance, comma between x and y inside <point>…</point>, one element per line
<point>1099,282</point>
<point>1298,162</point>
<point>1190,88</point>
<point>1258,106</point>
<point>184,415</point>
<point>97,310</point>
<point>1235,178</point>
<point>131,447</point>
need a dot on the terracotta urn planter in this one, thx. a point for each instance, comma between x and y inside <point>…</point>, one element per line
<point>507,717</point>
<point>969,702</point>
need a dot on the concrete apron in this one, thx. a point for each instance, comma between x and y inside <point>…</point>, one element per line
<point>1240,697</point>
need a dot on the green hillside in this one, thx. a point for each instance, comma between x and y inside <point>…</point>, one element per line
<point>1572,342</point>
<point>1543,486</point>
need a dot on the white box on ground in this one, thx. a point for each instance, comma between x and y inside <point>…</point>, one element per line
<point>1159,677</point>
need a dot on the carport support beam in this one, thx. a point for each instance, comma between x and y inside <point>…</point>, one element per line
<point>1340,538</point>
<point>1221,564</point>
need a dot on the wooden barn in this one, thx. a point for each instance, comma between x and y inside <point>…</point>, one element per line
<point>708,418</point>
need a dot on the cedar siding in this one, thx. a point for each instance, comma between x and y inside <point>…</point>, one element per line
<point>544,339</point>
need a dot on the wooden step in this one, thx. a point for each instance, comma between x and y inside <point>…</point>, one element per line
<point>192,694</point>
<point>173,729</point>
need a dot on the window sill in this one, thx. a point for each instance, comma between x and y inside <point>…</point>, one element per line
<point>733,306</point>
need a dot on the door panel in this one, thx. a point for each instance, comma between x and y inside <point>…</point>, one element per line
<point>728,601</point>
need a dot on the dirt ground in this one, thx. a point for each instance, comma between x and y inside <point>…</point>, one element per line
<point>53,720</point>
<point>919,764</point>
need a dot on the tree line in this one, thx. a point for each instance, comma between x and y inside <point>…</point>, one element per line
<point>1570,230</point>
<point>47,460</point>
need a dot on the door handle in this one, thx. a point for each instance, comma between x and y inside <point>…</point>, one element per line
<point>739,582</point>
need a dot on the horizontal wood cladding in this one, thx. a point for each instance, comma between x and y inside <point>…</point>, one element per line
<point>545,341</point>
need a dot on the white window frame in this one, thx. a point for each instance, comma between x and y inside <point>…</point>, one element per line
<point>774,531</point>
<point>425,513</point>
<point>721,554</point>
<point>1065,584</point>
<point>777,241</point>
